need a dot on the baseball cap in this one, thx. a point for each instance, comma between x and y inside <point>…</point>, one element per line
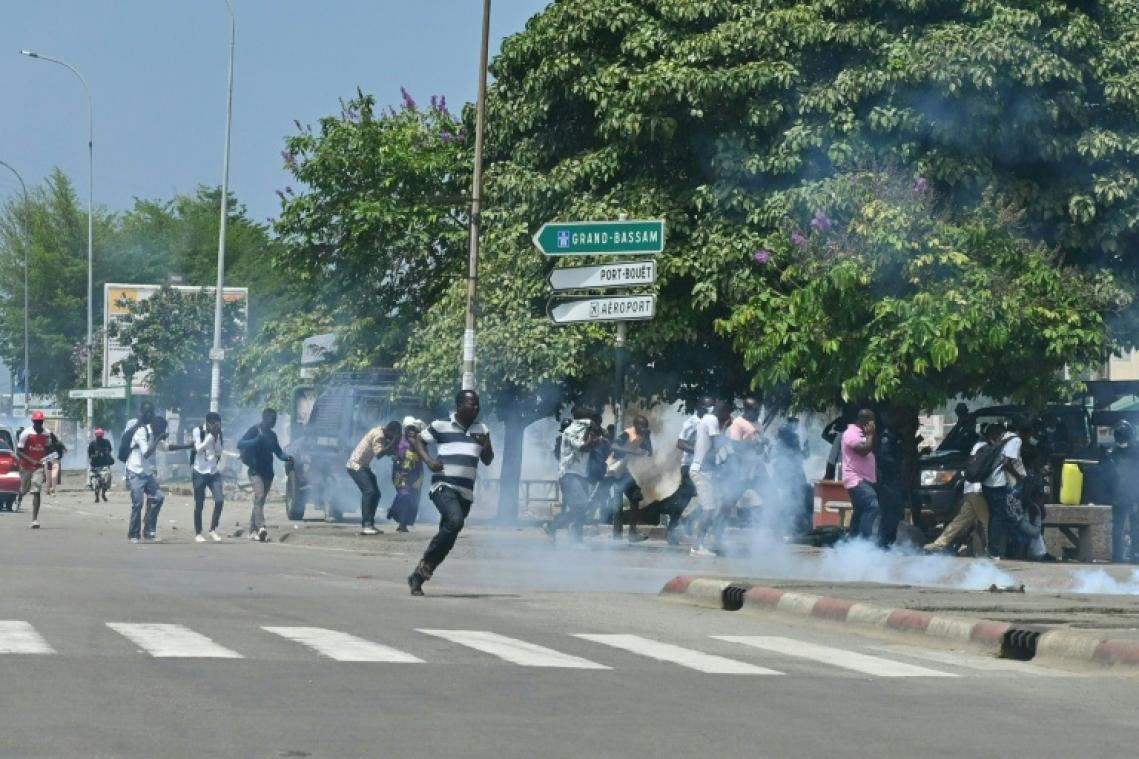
<point>37,416</point>
<point>99,432</point>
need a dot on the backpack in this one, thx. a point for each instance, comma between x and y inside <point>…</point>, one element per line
<point>247,454</point>
<point>125,443</point>
<point>983,463</point>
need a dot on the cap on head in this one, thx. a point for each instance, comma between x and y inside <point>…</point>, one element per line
<point>410,421</point>
<point>37,416</point>
<point>99,432</point>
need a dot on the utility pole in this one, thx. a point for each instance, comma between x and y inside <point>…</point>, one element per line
<point>476,210</point>
<point>217,354</point>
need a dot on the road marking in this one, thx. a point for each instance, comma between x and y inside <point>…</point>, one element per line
<point>342,646</point>
<point>870,665</point>
<point>513,650</point>
<point>22,638</point>
<point>971,661</point>
<point>685,657</point>
<point>172,641</point>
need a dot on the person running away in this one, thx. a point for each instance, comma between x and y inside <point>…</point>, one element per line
<point>206,474</point>
<point>34,445</point>
<point>100,459</point>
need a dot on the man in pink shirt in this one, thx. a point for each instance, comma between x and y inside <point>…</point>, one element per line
<point>859,473</point>
<point>745,427</point>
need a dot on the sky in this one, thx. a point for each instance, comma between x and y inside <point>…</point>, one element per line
<point>157,73</point>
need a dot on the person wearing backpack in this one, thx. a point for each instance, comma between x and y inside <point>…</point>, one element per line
<point>578,439</point>
<point>1007,472</point>
<point>974,514</point>
<point>258,446</point>
<point>205,460</point>
<point>140,441</point>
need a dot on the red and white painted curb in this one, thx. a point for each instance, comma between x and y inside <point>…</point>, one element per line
<point>986,634</point>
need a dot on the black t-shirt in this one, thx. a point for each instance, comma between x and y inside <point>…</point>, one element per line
<point>99,451</point>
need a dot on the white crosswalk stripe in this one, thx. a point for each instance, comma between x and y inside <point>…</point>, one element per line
<point>837,657</point>
<point>21,638</point>
<point>514,650</point>
<point>685,657</point>
<point>172,641</point>
<point>342,646</point>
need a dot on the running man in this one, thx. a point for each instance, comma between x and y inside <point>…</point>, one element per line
<point>258,446</point>
<point>99,460</point>
<point>207,474</point>
<point>32,447</point>
<point>460,444</point>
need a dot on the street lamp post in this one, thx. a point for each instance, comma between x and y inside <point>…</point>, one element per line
<point>217,354</point>
<point>27,242</point>
<point>90,213</point>
<point>476,210</point>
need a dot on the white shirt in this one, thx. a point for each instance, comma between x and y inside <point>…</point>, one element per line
<point>1010,452</point>
<point>574,460</point>
<point>207,452</point>
<point>706,433</point>
<point>143,446</point>
<point>974,487</point>
<point>688,435</point>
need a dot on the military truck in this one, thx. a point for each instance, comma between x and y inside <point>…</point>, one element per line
<point>327,422</point>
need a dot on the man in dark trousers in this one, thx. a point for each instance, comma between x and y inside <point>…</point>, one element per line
<point>258,447</point>
<point>100,459</point>
<point>460,444</point>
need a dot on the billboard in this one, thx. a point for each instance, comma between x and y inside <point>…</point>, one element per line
<point>116,302</point>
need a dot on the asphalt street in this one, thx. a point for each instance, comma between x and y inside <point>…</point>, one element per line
<point>313,647</point>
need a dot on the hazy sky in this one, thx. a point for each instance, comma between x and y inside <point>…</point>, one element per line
<point>157,71</point>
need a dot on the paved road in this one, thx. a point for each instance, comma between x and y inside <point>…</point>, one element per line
<point>301,649</point>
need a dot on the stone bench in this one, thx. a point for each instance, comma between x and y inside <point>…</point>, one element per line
<point>1085,526</point>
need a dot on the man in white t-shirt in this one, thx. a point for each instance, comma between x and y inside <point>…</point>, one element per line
<point>974,510</point>
<point>140,474</point>
<point>704,474</point>
<point>1006,475</point>
<point>206,474</point>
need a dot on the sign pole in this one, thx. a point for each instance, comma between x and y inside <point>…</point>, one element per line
<point>619,360</point>
<point>127,395</point>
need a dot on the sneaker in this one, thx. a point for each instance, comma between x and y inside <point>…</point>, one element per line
<point>214,536</point>
<point>401,528</point>
<point>371,531</point>
<point>263,535</point>
<point>701,551</point>
<point>252,535</point>
<point>153,537</point>
<point>134,541</point>
<point>35,525</point>
<point>199,538</point>
<point>415,583</point>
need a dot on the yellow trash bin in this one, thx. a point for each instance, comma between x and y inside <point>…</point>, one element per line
<point>1071,484</point>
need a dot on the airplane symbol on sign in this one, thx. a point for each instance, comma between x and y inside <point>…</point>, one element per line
<point>594,308</point>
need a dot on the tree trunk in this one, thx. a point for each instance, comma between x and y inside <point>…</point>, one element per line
<point>514,427</point>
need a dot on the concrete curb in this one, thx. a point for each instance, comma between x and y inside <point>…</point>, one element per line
<point>997,638</point>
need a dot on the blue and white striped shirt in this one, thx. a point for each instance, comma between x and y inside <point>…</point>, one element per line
<point>459,451</point>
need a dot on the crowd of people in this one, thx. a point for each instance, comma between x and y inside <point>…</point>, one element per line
<point>726,465</point>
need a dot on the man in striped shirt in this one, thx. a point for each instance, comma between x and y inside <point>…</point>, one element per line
<point>460,444</point>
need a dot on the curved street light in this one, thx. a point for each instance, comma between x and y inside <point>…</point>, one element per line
<point>27,231</point>
<point>90,210</point>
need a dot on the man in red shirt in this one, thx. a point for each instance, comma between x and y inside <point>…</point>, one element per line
<point>33,446</point>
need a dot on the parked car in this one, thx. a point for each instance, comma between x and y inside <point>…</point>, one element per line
<point>9,470</point>
<point>1064,431</point>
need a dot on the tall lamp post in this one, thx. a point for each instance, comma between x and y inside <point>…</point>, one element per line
<point>476,210</point>
<point>27,229</point>
<point>217,354</point>
<point>90,212</point>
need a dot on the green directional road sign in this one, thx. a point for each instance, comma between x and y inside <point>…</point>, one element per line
<point>615,238</point>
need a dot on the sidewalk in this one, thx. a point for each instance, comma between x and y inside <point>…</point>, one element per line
<point>1077,627</point>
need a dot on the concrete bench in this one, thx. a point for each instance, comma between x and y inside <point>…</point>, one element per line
<point>1079,524</point>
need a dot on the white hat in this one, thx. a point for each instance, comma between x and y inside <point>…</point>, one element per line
<point>411,421</point>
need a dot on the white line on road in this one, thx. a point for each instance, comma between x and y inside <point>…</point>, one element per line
<point>513,650</point>
<point>971,661</point>
<point>172,641</point>
<point>22,638</point>
<point>870,665</point>
<point>342,646</point>
<point>685,657</point>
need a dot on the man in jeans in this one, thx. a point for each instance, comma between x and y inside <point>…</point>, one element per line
<point>258,447</point>
<point>140,474</point>
<point>460,445</point>
<point>578,439</point>
<point>974,514</point>
<point>376,443</point>
<point>206,474</point>
<point>706,476</point>
<point>1007,473</point>
<point>859,473</point>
